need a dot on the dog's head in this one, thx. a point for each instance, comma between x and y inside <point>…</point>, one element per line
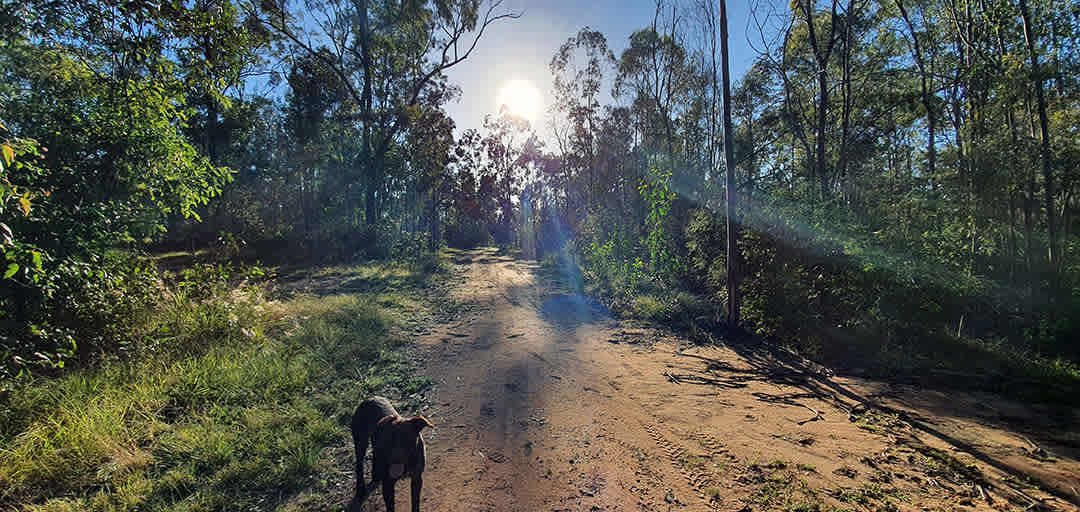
<point>402,435</point>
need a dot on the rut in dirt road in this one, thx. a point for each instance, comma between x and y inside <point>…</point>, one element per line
<point>544,402</point>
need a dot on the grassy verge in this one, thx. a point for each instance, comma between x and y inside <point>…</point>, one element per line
<point>243,421</point>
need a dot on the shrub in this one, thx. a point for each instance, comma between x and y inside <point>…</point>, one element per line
<point>706,248</point>
<point>120,305</point>
<point>76,311</point>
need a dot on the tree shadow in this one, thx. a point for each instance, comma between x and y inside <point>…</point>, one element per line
<point>370,277</point>
<point>570,311</point>
<point>1052,427</point>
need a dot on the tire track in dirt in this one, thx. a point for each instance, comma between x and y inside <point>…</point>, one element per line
<point>715,447</point>
<point>688,465</point>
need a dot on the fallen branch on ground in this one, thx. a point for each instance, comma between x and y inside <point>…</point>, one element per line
<point>817,416</point>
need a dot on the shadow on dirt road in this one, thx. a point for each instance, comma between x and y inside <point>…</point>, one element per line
<point>544,402</point>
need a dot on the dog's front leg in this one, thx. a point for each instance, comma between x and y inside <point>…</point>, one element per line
<point>388,493</point>
<point>417,482</point>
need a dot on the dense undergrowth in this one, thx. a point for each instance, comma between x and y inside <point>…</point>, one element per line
<point>833,296</point>
<point>227,401</point>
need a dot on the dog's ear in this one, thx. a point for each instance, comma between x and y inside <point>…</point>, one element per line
<point>420,422</point>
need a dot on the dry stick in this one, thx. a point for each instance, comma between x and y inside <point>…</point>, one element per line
<point>1034,504</point>
<point>1035,449</point>
<point>1026,496</point>
<point>817,416</point>
<point>1028,441</point>
<point>697,379</point>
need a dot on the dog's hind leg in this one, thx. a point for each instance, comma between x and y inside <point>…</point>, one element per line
<point>417,482</point>
<point>388,493</point>
<point>360,442</point>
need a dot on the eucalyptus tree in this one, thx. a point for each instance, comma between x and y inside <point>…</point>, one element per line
<point>924,50</point>
<point>388,55</point>
<point>510,145</point>
<point>429,145</point>
<point>1038,79</point>
<point>579,69</point>
<point>317,112</point>
<point>729,164</point>
<point>821,33</point>
<point>655,73</point>
<point>472,207</point>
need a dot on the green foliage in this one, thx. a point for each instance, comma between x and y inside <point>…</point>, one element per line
<point>20,259</point>
<point>219,414</point>
<point>658,196</point>
<point>613,264</point>
<point>72,311</point>
<point>706,239</point>
<point>93,84</point>
<point>124,166</point>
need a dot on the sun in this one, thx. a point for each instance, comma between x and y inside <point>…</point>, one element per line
<point>522,98</point>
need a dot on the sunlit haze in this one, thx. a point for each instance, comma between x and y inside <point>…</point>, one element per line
<point>521,49</point>
<point>521,98</point>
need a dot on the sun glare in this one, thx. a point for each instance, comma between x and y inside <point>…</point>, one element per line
<point>521,98</point>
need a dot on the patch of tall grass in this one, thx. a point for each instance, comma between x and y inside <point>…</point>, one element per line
<point>215,415</point>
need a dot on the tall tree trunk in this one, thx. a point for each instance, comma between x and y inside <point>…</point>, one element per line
<point>1044,133</point>
<point>710,15</point>
<point>1014,183</point>
<point>371,168</point>
<point>926,85</point>
<point>1069,188</point>
<point>1029,229</point>
<point>434,213</point>
<point>822,51</point>
<point>822,113</point>
<point>845,104</point>
<point>729,162</point>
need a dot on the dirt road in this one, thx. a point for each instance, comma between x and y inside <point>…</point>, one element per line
<point>545,403</point>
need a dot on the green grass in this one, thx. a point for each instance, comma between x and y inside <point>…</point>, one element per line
<point>648,308</point>
<point>879,422</point>
<point>692,461</point>
<point>942,464</point>
<point>780,487</point>
<point>882,498</point>
<point>235,409</point>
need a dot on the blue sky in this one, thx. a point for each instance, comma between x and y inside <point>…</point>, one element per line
<point>522,48</point>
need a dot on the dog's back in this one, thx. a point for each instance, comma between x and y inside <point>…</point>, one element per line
<point>369,413</point>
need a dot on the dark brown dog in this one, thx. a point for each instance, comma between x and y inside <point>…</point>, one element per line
<point>397,449</point>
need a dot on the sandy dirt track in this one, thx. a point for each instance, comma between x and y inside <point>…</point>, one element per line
<point>543,402</point>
